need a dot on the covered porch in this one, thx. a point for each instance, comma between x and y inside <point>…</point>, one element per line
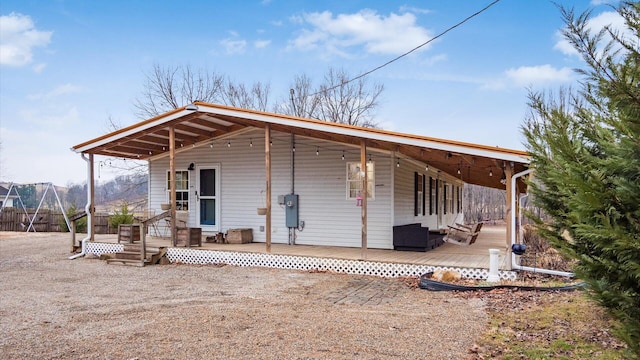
<point>472,261</point>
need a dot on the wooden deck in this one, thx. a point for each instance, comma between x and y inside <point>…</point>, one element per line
<point>447,255</point>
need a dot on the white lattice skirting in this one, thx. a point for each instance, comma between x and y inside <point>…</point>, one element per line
<point>356,267</point>
<point>373,268</point>
<point>103,248</point>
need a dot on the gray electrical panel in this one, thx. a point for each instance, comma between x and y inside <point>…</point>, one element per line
<point>291,210</point>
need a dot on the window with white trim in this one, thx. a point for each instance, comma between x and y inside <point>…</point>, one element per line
<point>354,180</point>
<point>182,189</point>
<point>419,194</point>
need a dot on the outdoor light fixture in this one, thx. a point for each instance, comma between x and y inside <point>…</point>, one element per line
<point>317,151</point>
<point>293,148</point>
<point>192,166</point>
<point>458,171</point>
<point>342,154</point>
<point>426,167</point>
<point>398,163</point>
<point>369,157</point>
<point>250,142</point>
<point>503,179</point>
<point>191,107</point>
<point>211,145</point>
<point>229,143</point>
<point>490,172</point>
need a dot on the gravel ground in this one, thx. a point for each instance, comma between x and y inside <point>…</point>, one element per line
<point>55,308</point>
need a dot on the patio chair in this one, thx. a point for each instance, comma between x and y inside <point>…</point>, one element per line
<point>181,221</point>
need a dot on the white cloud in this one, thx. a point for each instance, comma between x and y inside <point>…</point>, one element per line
<point>233,46</point>
<point>39,68</point>
<point>393,34</point>
<point>416,10</point>
<point>55,116</point>
<point>58,91</point>
<point>18,37</point>
<point>260,44</point>
<point>595,24</point>
<point>538,75</point>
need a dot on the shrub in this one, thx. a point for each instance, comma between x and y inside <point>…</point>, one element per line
<point>81,224</point>
<point>121,217</point>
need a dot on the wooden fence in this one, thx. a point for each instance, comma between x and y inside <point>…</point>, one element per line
<point>14,219</point>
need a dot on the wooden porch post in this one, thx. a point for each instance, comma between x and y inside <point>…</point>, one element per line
<point>267,165</point>
<point>172,182</point>
<point>508,174</point>
<point>92,203</point>
<point>363,209</point>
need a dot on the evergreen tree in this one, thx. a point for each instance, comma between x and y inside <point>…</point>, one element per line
<point>585,147</point>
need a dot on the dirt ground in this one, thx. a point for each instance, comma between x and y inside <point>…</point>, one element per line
<point>55,308</point>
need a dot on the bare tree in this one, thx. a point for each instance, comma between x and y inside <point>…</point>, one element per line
<point>303,100</point>
<point>175,86</point>
<point>348,101</point>
<point>237,95</point>
<point>483,203</point>
<point>338,99</point>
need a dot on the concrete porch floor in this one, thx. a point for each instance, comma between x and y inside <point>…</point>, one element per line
<point>447,255</point>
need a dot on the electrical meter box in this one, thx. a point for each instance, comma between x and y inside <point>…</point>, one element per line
<point>291,210</point>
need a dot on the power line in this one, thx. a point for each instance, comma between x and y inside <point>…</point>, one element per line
<point>412,50</point>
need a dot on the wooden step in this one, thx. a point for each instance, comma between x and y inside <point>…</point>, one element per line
<point>138,248</point>
<point>131,262</point>
<point>133,255</point>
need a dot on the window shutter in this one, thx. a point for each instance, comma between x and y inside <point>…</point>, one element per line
<point>437,195</point>
<point>444,195</point>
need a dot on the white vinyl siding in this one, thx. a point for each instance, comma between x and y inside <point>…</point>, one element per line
<point>330,218</point>
<point>405,196</point>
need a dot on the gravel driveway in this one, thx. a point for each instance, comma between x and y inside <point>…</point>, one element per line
<point>55,308</point>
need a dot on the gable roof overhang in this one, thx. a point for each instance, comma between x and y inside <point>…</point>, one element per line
<point>204,122</point>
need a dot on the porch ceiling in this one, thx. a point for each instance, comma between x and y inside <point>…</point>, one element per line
<point>150,139</point>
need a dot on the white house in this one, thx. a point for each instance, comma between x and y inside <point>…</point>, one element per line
<point>229,162</point>
<point>6,199</point>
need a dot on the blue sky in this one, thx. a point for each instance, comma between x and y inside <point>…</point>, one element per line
<point>68,66</point>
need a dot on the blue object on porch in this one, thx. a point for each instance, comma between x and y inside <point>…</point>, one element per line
<point>518,249</point>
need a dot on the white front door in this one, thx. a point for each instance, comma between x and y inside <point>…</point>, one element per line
<point>208,198</point>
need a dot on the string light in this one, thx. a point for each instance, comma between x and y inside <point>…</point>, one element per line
<point>229,143</point>
<point>490,172</point>
<point>398,163</point>
<point>459,171</point>
<point>211,145</point>
<point>250,142</point>
<point>293,148</point>
<point>426,167</point>
<point>342,154</point>
<point>369,158</point>
<point>317,151</point>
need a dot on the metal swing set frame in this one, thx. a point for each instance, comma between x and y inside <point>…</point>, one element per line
<point>31,220</point>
